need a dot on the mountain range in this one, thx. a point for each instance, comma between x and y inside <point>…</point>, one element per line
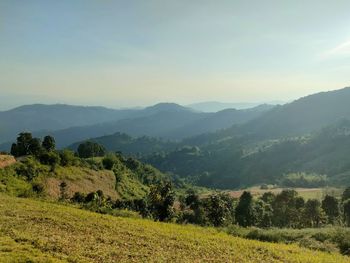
<point>69,124</point>
<point>225,149</point>
<point>308,135</point>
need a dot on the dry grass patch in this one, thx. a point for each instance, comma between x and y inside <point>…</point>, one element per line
<point>82,180</point>
<point>6,160</point>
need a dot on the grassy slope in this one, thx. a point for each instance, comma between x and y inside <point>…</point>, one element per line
<point>44,232</point>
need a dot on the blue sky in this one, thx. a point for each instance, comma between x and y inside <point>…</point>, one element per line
<point>127,53</point>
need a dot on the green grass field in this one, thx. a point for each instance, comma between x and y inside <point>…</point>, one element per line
<point>37,231</point>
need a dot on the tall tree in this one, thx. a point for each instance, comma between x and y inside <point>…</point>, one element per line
<point>285,210</point>
<point>220,209</point>
<point>161,199</point>
<point>330,206</point>
<point>346,194</point>
<point>313,215</point>
<point>346,211</point>
<point>35,147</point>
<point>245,214</point>
<point>22,146</point>
<point>49,143</point>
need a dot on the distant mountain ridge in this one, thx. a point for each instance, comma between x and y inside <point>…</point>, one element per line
<point>38,117</point>
<point>69,124</point>
<point>215,106</point>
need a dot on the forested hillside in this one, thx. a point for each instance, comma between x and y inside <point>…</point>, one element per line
<point>309,135</point>
<point>139,146</point>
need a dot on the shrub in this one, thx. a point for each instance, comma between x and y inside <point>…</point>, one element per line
<point>108,162</point>
<point>50,158</point>
<point>38,188</point>
<point>78,197</point>
<point>28,169</point>
<point>67,158</point>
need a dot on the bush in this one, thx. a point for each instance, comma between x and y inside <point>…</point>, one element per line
<point>78,197</point>
<point>38,188</point>
<point>108,162</point>
<point>344,245</point>
<point>28,169</point>
<point>67,158</point>
<point>50,158</point>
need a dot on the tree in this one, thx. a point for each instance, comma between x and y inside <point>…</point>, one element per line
<point>220,209</point>
<point>192,199</point>
<point>330,206</point>
<point>245,214</point>
<point>90,149</point>
<point>263,213</point>
<point>286,213</point>
<point>35,148</point>
<point>23,145</point>
<point>313,215</point>
<point>268,197</point>
<point>14,150</point>
<point>161,199</point>
<point>193,211</point>
<point>346,211</point>
<point>346,194</point>
<point>26,145</point>
<point>49,143</point>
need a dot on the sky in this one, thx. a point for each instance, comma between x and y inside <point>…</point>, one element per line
<point>137,53</point>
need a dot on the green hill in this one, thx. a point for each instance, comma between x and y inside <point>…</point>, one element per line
<point>36,231</point>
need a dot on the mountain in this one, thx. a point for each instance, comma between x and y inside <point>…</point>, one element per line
<point>215,106</point>
<point>308,135</point>
<point>154,121</point>
<point>219,120</point>
<point>39,117</point>
<point>302,116</point>
<point>164,120</point>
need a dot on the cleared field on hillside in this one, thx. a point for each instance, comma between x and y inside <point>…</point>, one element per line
<point>46,232</point>
<point>80,179</point>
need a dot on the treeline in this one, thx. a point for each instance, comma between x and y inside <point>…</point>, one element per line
<point>283,210</point>
<point>303,180</point>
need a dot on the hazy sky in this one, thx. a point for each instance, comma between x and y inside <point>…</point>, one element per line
<point>127,53</point>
